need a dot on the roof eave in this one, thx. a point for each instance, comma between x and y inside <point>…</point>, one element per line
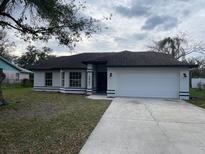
<point>63,68</point>
<point>188,66</point>
<point>94,62</point>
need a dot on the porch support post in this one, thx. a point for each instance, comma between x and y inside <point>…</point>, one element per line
<point>89,89</point>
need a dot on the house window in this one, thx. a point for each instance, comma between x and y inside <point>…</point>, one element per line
<point>48,79</point>
<point>62,79</point>
<point>17,76</point>
<point>75,79</point>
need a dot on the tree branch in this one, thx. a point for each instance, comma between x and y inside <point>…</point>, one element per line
<point>8,24</point>
<point>23,28</point>
<point>26,29</point>
<point>3,5</point>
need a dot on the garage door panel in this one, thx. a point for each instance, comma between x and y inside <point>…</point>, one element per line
<point>148,83</point>
<point>138,93</point>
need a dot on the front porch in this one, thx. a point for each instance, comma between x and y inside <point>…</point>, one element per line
<point>96,79</point>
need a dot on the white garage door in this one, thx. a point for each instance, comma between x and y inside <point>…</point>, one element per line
<point>163,83</point>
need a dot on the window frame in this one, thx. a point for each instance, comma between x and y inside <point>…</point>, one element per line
<point>75,79</point>
<point>48,81</point>
<point>17,76</point>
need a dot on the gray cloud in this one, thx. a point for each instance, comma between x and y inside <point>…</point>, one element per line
<point>149,7</point>
<point>163,22</point>
<point>139,36</point>
<point>134,11</point>
<point>131,39</point>
<point>144,21</point>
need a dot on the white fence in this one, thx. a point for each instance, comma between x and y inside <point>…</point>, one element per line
<point>195,82</point>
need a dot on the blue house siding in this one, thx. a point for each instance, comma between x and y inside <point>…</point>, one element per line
<point>13,73</point>
<point>6,67</point>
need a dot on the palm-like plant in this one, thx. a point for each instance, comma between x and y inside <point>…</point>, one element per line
<point>172,46</point>
<point>177,47</point>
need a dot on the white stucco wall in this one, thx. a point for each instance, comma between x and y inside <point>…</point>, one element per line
<point>39,81</point>
<point>39,78</point>
<point>184,84</point>
<point>148,82</point>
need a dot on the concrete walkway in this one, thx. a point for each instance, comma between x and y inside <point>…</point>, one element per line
<point>148,126</point>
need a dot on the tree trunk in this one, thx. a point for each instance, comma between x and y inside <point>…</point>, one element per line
<point>2,100</point>
<point>2,77</point>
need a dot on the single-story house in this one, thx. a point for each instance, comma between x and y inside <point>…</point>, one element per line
<point>13,72</point>
<point>127,74</point>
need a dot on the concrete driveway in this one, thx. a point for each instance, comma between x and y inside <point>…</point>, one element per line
<point>148,126</point>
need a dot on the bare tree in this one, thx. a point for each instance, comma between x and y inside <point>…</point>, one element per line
<point>200,71</point>
<point>177,46</point>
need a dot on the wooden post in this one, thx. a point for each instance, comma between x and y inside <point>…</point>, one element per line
<point>2,77</point>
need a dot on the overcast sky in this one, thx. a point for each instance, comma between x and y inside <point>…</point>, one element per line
<point>134,24</point>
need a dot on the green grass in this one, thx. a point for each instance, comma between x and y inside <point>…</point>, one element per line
<point>197,93</point>
<point>199,97</point>
<point>41,122</point>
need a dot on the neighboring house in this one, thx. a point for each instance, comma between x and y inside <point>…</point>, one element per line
<point>198,82</point>
<point>13,72</point>
<point>131,74</point>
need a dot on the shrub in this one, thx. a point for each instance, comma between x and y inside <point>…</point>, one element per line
<point>20,84</point>
<point>26,83</point>
<point>203,86</point>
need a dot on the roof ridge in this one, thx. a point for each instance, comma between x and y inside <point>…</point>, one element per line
<point>96,52</point>
<point>86,53</point>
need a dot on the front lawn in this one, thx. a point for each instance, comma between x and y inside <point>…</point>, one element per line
<point>41,122</point>
<point>198,97</point>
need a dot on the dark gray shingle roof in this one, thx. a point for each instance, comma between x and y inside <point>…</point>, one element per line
<point>114,59</point>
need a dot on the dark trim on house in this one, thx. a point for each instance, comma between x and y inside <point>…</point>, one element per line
<point>110,93</point>
<point>184,95</point>
<point>59,88</point>
<point>189,66</point>
<point>89,89</point>
<point>183,92</point>
<point>94,62</point>
<point>73,89</point>
<point>89,69</point>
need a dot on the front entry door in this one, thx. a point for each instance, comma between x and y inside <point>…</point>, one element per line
<point>101,82</point>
